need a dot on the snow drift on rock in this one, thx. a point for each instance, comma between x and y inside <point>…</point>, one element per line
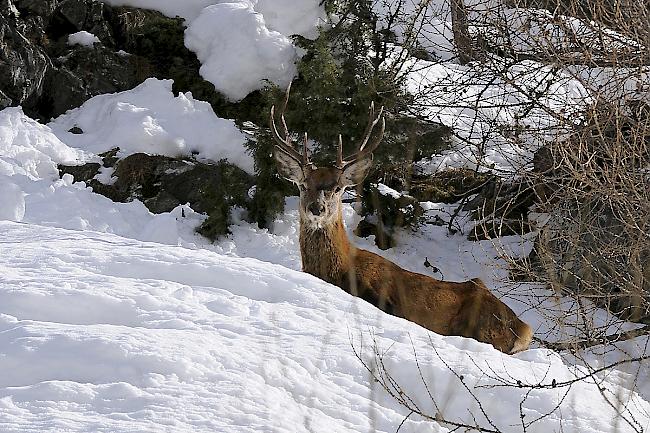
<point>238,52</point>
<point>150,119</point>
<point>83,38</point>
<point>31,191</point>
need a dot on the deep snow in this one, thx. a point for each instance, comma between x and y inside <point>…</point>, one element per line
<point>104,333</point>
<point>151,119</point>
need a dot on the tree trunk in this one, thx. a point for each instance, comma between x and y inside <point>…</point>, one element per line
<point>460,28</point>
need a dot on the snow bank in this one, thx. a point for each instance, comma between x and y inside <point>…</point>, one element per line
<point>238,53</point>
<point>29,148</point>
<point>28,151</point>
<point>76,207</point>
<point>117,335</point>
<point>150,119</point>
<point>83,38</point>
<point>31,191</point>
<point>12,198</point>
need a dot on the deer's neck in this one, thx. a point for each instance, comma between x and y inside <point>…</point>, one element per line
<point>326,251</point>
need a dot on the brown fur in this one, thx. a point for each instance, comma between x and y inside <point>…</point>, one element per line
<point>466,309</point>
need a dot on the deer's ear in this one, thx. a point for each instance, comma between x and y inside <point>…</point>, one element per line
<point>288,167</point>
<point>354,173</point>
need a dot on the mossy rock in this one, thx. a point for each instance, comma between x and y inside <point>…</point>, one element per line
<point>81,173</point>
<point>162,183</point>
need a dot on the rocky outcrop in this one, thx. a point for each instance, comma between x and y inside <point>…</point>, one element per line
<point>42,72</point>
<point>162,183</point>
<point>23,63</point>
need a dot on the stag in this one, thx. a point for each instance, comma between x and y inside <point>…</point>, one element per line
<point>466,309</point>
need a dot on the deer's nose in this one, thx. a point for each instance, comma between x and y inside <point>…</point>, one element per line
<point>316,208</point>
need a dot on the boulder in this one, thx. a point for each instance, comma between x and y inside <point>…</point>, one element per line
<point>41,72</point>
<point>23,64</point>
<point>162,183</point>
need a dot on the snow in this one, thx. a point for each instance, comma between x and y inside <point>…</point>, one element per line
<point>291,17</point>
<point>104,330</point>
<point>30,149</point>
<point>83,38</point>
<point>150,119</point>
<point>104,333</point>
<point>31,191</point>
<point>238,52</point>
<point>433,21</point>
<point>387,191</point>
<point>496,122</point>
<point>12,198</point>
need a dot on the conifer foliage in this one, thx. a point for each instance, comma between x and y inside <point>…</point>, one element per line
<point>341,72</point>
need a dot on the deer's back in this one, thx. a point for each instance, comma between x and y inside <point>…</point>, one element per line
<point>449,308</point>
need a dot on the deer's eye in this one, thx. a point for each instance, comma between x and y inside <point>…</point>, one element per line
<point>337,189</point>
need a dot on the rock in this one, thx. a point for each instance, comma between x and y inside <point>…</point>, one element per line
<point>81,173</point>
<point>81,74</point>
<point>36,7</point>
<point>109,159</point>
<point>162,183</point>
<point>41,72</point>
<point>5,101</point>
<point>157,44</point>
<point>23,64</point>
<point>74,12</point>
<point>72,16</point>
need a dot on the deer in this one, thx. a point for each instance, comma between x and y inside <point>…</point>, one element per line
<point>466,309</point>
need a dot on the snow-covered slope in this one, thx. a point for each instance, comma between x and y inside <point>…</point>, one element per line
<point>104,333</point>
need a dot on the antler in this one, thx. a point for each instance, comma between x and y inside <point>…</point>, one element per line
<point>285,144</point>
<point>364,147</point>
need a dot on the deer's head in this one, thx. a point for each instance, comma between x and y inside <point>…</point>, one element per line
<point>321,188</point>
